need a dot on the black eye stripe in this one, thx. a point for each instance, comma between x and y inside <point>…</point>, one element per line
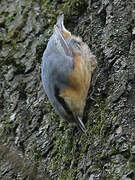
<point>61,101</point>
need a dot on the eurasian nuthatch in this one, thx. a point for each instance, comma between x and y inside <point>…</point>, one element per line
<point>67,67</point>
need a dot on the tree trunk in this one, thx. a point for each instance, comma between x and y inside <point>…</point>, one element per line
<point>34,142</point>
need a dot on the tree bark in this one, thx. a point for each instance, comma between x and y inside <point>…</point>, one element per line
<point>34,142</point>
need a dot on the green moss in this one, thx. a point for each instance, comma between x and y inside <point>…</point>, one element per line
<point>65,147</point>
<point>6,120</point>
<point>96,131</point>
<point>114,150</point>
<point>15,33</point>
<point>116,177</point>
<point>37,154</point>
<point>68,7</point>
<point>97,114</point>
<point>67,175</point>
<point>63,152</point>
<point>9,18</point>
<point>131,164</point>
<point>7,127</point>
<point>97,165</point>
<point>52,115</point>
<point>71,6</point>
<point>48,106</point>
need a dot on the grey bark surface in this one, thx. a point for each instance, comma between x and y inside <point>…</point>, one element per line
<point>34,142</point>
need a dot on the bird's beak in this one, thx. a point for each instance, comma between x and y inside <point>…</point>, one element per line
<point>61,35</point>
<point>59,27</point>
<point>79,123</point>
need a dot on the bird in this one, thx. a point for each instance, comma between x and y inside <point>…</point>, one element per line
<point>66,73</point>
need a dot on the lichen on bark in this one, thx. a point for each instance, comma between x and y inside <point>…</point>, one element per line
<point>34,141</point>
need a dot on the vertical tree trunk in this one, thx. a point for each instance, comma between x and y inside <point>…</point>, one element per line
<point>34,142</point>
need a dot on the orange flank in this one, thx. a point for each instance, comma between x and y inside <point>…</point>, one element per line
<point>79,79</point>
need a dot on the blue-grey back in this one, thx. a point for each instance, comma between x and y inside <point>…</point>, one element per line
<point>56,67</point>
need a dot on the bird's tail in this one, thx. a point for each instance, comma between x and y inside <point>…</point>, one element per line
<point>61,36</point>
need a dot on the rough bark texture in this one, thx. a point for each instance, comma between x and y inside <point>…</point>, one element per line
<point>34,142</point>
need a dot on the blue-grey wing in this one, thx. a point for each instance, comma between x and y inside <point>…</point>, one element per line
<point>56,69</point>
<point>56,66</point>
